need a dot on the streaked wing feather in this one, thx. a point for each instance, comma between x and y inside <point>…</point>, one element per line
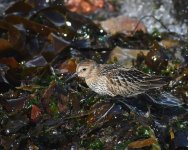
<point>129,80</point>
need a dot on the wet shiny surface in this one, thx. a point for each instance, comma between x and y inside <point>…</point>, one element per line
<point>40,109</point>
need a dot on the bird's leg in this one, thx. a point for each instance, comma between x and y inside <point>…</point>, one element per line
<point>106,113</point>
<point>150,99</point>
<point>120,99</point>
<point>115,100</point>
<point>127,106</point>
<point>108,99</point>
<point>135,110</point>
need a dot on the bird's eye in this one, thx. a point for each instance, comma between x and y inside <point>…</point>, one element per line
<point>84,69</point>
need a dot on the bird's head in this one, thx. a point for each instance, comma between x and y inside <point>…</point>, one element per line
<point>86,68</point>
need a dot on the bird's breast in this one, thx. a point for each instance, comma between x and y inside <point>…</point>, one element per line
<point>98,85</point>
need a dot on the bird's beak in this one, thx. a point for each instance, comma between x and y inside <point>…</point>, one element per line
<point>72,76</point>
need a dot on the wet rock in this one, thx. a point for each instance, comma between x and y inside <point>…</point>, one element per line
<point>125,56</point>
<point>122,24</point>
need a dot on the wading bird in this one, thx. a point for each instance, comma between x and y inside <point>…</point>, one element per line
<point>116,80</point>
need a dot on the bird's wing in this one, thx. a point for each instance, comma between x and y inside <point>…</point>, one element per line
<point>128,81</point>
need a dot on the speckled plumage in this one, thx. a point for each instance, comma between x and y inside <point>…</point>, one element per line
<point>113,79</point>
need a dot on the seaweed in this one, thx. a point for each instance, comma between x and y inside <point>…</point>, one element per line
<point>40,45</point>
